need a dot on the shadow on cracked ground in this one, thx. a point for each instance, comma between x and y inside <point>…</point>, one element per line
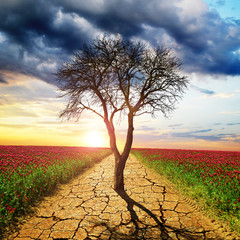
<point>155,228</point>
<point>89,208</point>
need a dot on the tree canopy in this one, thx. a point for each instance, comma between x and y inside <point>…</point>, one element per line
<point>116,75</point>
<point>112,75</point>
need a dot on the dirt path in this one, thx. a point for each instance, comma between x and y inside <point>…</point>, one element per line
<point>89,208</point>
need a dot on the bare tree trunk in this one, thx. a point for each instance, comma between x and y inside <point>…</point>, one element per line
<point>119,173</point>
<point>120,159</point>
<point>120,162</point>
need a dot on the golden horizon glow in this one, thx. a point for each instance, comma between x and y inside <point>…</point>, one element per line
<point>95,139</point>
<point>29,110</point>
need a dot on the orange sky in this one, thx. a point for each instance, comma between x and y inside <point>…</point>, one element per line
<point>29,110</point>
<point>203,34</point>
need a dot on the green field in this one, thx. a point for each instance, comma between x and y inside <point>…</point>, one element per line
<point>28,173</point>
<point>212,178</point>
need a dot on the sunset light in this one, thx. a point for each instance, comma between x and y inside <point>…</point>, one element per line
<point>95,139</point>
<point>115,119</point>
<point>206,118</point>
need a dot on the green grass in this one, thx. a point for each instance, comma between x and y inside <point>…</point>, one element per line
<point>219,201</point>
<point>24,185</point>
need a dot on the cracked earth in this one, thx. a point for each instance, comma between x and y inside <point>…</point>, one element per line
<point>89,208</point>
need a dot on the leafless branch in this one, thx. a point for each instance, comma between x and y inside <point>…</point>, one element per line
<point>111,75</point>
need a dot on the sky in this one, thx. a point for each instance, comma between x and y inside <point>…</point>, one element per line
<point>36,37</point>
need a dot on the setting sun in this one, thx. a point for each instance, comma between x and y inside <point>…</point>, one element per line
<point>95,139</point>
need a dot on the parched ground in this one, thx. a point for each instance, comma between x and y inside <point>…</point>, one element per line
<point>89,208</point>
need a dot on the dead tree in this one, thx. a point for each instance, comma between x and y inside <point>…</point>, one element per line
<point>111,76</point>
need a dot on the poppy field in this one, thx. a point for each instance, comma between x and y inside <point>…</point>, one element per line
<point>210,177</point>
<point>29,172</point>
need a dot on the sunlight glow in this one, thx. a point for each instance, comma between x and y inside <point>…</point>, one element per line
<point>95,139</point>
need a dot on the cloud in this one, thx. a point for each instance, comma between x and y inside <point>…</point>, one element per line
<point>205,91</point>
<point>36,36</point>
<point>224,95</point>
<point>210,93</point>
<point>16,111</point>
<point>19,89</point>
<point>146,128</point>
<point>221,3</point>
<point>214,137</point>
<point>203,131</point>
<point>230,137</point>
<point>2,79</point>
<point>175,125</point>
<point>233,124</point>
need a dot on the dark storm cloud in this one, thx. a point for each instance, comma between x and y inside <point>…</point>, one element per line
<point>125,17</point>
<point>40,34</point>
<point>36,38</point>
<point>206,43</point>
<point>25,21</point>
<point>219,41</point>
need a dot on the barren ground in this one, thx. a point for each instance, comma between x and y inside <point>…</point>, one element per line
<point>89,208</point>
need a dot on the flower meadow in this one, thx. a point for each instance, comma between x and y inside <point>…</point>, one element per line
<point>211,177</point>
<point>29,172</point>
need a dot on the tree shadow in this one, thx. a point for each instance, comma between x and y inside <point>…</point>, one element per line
<point>139,229</point>
<point>143,230</point>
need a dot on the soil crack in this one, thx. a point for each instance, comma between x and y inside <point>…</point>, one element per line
<point>89,208</point>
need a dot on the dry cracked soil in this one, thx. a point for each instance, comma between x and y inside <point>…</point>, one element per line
<point>89,208</point>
